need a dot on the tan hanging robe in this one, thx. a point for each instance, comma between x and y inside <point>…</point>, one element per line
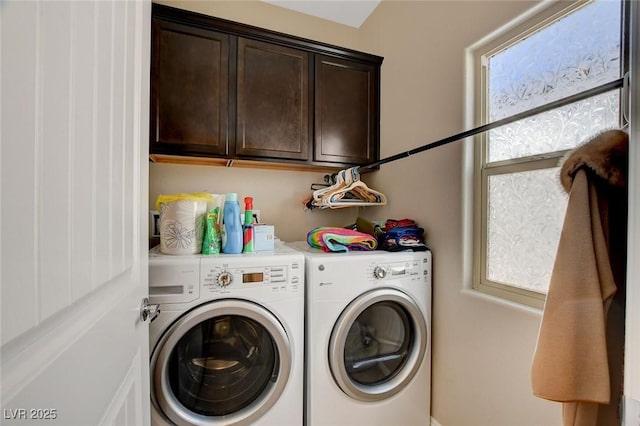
<point>578,358</point>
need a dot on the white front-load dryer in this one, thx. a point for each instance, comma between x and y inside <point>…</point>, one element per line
<point>368,358</point>
<point>227,347</point>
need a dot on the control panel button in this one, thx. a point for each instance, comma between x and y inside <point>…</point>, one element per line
<point>379,272</point>
<point>224,279</point>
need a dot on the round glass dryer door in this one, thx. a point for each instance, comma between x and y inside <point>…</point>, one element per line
<point>377,344</point>
<point>226,362</point>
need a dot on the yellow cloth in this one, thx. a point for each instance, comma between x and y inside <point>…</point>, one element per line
<point>571,363</point>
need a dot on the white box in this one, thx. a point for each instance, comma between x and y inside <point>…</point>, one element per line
<point>263,237</point>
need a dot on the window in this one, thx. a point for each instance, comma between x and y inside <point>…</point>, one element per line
<point>519,203</point>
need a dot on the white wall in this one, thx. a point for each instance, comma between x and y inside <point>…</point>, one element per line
<point>278,194</point>
<point>481,349</point>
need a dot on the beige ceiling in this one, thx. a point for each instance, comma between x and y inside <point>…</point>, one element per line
<point>347,12</point>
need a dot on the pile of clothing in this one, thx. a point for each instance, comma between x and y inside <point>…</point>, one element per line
<point>400,235</point>
<point>392,235</point>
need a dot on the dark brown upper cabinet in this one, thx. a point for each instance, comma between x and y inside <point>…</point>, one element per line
<point>274,114</point>
<point>189,90</point>
<point>224,90</point>
<point>346,125</point>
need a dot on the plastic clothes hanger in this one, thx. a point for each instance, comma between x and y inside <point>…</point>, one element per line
<point>353,192</point>
<point>319,194</point>
<point>362,196</point>
<point>347,191</point>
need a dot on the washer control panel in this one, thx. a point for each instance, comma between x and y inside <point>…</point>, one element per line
<point>173,279</point>
<point>188,279</point>
<point>411,270</point>
<point>228,278</point>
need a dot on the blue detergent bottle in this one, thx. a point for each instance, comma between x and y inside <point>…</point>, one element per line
<point>232,225</point>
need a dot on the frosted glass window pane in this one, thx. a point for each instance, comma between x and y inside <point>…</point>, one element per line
<point>526,212</point>
<point>555,130</point>
<point>575,53</point>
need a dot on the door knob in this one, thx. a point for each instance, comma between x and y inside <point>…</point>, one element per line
<point>147,311</point>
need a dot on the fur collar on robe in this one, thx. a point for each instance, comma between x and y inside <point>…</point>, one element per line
<point>605,155</point>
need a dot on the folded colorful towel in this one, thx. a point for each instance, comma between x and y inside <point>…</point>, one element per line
<point>340,239</point>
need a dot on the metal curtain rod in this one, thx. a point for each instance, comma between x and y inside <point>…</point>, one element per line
<point>615,84</point>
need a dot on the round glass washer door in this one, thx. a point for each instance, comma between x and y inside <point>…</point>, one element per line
<point>377,344</point>
<point>226,362</point>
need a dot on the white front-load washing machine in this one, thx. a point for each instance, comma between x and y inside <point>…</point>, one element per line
<point>227,347</point>
<point>368,358</point>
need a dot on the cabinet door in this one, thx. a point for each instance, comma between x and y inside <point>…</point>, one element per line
<point>189,90</point>
<point>273,101</point>
<point>346,111</point>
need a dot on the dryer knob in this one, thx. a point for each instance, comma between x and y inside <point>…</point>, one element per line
<point>379,272</point>
<point>224,279</point>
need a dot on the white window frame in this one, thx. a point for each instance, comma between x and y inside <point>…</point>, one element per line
<point>539,17</point>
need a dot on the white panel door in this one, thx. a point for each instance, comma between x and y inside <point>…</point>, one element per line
<point>74,85</point>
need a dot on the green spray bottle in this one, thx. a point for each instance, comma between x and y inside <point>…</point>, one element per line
<point>248,226</point>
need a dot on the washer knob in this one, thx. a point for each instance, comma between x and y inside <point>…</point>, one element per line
<point>224,279</point>
<point>379,272</point>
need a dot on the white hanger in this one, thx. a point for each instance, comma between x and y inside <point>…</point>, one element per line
<point>348,183</point>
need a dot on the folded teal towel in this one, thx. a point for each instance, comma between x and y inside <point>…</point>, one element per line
<point>332,239</point>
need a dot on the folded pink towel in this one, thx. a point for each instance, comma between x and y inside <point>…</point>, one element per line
<point>332,239</point>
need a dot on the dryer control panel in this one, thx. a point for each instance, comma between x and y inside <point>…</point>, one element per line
<point>235,277</point>
<point>408,270</point>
